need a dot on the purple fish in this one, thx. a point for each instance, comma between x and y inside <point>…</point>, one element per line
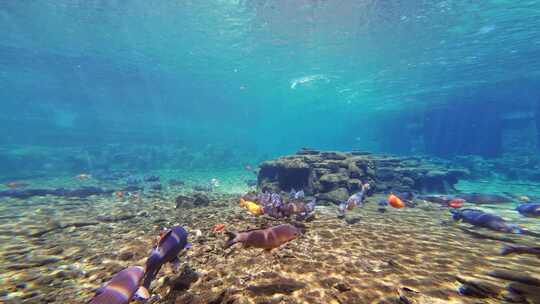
<point>122,287</point>
<point>166,251</point>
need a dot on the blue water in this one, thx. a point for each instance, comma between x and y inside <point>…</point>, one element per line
<point>96,93</point>
<point>271,76</point>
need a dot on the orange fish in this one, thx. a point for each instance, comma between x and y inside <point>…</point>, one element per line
<point>395,201</point>
<point>119,194</point>
<point>456,203</point>
<point>218,228</point>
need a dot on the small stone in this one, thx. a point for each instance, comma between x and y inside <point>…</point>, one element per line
<point>352,220</point>
<point>342,287</point>
<point>184,280</point>
<point>284,286</point>
<point>126,255</point>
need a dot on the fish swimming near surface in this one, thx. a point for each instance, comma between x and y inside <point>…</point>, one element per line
<point>480,218</point>
<point>484,198</point>
<point>517,249</point>
<point>122,288</point>
<point>267,239</point>
<point>171,242</point>
<point>529,209</point>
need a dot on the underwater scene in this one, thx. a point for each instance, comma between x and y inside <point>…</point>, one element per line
<point>270,151</point>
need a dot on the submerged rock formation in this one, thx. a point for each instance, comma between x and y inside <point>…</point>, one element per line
<point>333,176</point>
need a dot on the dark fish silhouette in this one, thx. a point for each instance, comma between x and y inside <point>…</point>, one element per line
<point>166,250</point>
<point>529,209</point>
<point>484,198</point>
<point>521,250</point>
<point>483,219</point>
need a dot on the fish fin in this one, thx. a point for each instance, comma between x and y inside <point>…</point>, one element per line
<point>142,294</point>
<point>507,250</point>
<point>528,232</point>
<point>175,263</point>
<point>101,289</point>
<point>163,236</point>
<point>188,246</point>
<point>252,229</point>
<point>232,239</point>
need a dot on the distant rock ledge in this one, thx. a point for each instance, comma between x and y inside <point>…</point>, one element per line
<point>333,176</point>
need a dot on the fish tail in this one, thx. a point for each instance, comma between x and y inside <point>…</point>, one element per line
<point>508,250</point>
<point>233,239</point>
<point>528,232</point>
<point>152,267</point>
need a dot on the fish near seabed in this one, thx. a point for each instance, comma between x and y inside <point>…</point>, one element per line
<point>529,209</point>
<point>395,201</point>
<point>122,287</point>
<point>484,198</point>
<point>267,239</point>
<point>251,207</point>
<point>354,200</point>
<point>521,250</point>
<point>480,218</point>
<point>168,247</point>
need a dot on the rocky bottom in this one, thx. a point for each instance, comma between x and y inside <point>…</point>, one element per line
<point>60,250</point>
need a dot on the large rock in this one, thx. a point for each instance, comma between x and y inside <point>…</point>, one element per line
<point>334,196</point>
<point>330,175</point>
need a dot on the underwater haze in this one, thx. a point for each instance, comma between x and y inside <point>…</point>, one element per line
<point>362,151</point>
<point>267,75</point>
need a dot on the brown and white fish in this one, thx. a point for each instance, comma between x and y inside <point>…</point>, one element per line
<point>267,239</point>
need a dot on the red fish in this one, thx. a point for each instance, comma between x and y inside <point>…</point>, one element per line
<point>395,201</point>
<point>456,203</point>
<point>267,239</point>
<point>218,228</point>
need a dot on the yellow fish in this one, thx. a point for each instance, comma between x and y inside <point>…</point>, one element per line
<point>252,207</point>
